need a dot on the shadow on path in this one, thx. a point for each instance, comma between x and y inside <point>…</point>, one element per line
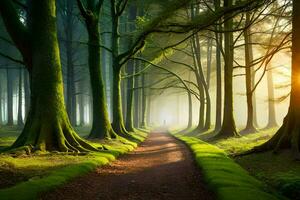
<point>160,168</point>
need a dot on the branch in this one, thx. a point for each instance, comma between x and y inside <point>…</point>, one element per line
<point>82,9</point>
<point>16,29</point>
<point>12,59</point>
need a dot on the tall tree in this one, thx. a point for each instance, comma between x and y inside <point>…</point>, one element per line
<point>69,16</point>
<point>9,91</point>
<point>20,99</point>
<point>130,84</point>
<point>101,126</point>
<point>248,65</point>
<point>228,128</point>
<point>47,126</point>
<point>271,100</point>
<point>288,135</point>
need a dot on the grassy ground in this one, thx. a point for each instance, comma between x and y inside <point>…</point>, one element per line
<point>25,176</point>
<point>224,177</point>
<point>278,170</point>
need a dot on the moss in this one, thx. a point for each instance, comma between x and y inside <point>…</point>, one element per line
<point>47,171</point>
<point>223,176</point>
<point>284,177</point>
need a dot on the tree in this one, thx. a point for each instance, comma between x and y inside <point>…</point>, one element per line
<point>271,100</point>
<point>47,127</point>
<point>9,90</point>
<point>20,99</point>
<point>130,83</point>
<point>101,127</point>
<point>248,65</point>
<point>228,128</point>
<point>288,135</point>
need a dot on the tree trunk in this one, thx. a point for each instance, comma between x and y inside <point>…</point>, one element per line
<point>130,84</point>
<point>219,46</point>
<point>20,100</point>
<point>288,136</point>
<point>101,127</point>
<point>144,102</point>
<point>271,104</point>
<point>10,113</point>
<point>136,96</point>
<point>228,128</point>
<point>71,109</point>
<point>47,127</point>
<point>208,60</point>
<point>82,111</point>
<point>118,122</point>
<point>26,92</point>
<point>248,65</point>
<point>190,114</point>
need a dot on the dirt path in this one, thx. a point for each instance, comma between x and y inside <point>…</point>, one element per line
<point>161,168</point>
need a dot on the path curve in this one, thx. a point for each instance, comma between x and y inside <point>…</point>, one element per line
<point>160,168</point>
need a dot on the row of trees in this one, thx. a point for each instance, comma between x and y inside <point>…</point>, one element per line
<point>122,39</point>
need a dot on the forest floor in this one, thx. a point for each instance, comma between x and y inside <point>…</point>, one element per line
<point>160,168</point>
<point>279,171</point>
<point>26,176</point>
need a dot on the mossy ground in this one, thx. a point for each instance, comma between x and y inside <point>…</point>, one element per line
<point>223,176</point>
<point>280,171</point>
<point>26,176</point>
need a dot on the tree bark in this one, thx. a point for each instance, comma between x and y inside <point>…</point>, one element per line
<point>271,104</point>
<point>228,128</point>
<point>219,46</point>
<point>250,128</point>
<point>20,100</point>
<point>118,121</point>
<point>71,100</point>
<point>101,127</point>
<point>47,127</point>
<point>26,92</point>
<point>288,135</point>
<point>130,83</point>
<point>144,102</point>
<point>10,84</point>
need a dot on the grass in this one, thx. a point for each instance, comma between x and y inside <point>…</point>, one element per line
<point>227,179</point>
<point>29,176</point>
<point>235,145</point>
<point>279,171</point>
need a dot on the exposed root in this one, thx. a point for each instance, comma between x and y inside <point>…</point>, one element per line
<point>42,135</point>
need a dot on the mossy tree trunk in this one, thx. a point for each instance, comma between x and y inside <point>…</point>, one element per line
<point>288,135</point>
<point>47,127</point>
<point>228,128</point>
<point>118,121</point>
<point>130,83</point>
<point>144,102</point>
<point>101,127</point>
<point>190,115</point>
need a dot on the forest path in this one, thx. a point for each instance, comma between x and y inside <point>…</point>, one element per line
<point>160,168</point>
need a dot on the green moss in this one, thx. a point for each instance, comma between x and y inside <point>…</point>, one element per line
<point>278,170</point>
<point>223,176</point>
<point>49,170</point>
